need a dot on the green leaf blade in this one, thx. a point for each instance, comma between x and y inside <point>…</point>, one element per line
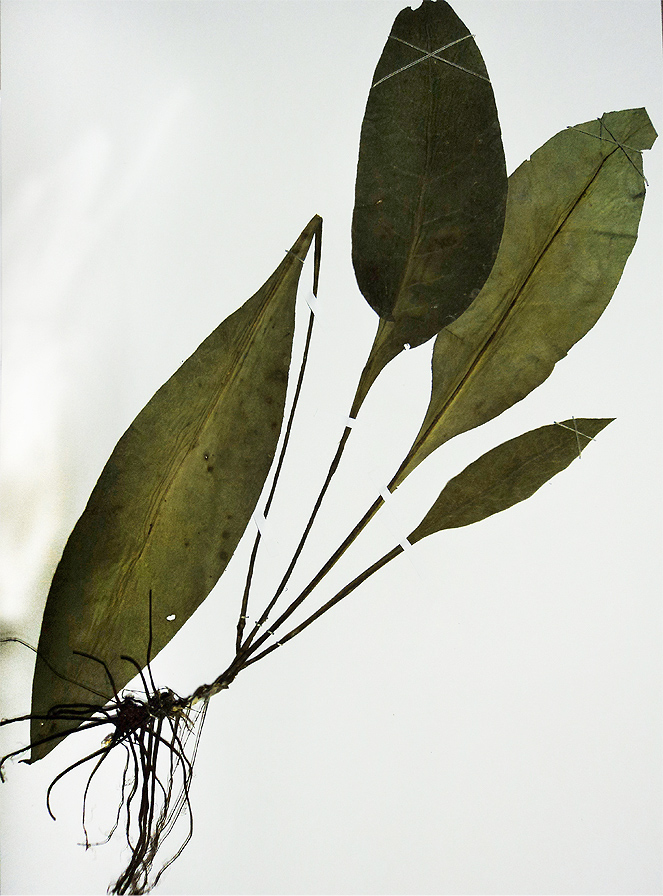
<point>508,474</point>
<point>173,500</point>
<point>431,181</point>
<point>572,219</point>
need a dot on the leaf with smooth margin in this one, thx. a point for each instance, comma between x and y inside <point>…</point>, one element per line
<point>172,501</point>
<point>572,219</point>
<point>431,183</point>
<point>508,474</point>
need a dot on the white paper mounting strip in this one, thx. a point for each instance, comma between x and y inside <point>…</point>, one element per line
<point>260,520</point>
<point>313,302</point>
<point>387,496</point>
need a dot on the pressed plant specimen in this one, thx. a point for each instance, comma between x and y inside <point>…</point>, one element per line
<point>506,280</point>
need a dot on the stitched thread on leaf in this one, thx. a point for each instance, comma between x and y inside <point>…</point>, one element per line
<point>612,139</point>
<point>575,429</point>
<point>431,55</point>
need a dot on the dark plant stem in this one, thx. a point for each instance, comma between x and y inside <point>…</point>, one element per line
<point>300,547</point>
<point>241,622</point>
<point>335,557</point>
<point>245,657</point>
<point>355,583</point>
<point>367,377</point>
<point>247,650</point>
<point>315,581</point>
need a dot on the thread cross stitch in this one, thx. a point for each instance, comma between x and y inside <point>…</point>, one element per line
<point>578,434</point>
<point>431,55</point>
<point>615,142</point>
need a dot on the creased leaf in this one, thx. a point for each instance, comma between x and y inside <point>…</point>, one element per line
<point>173,500</point>
<point>508,474</point>
<point>431,182</point>
<point>572,219</point>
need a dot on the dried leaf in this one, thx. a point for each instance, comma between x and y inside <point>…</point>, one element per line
<point>431,182</point>
<point>507,475</point>
<point>173,500</point>
<point>572,220</point>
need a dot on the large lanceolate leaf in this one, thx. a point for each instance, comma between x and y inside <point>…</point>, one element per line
<point>572,219</point>
<point>507,475</point>
<point>431,182</point>
<point>173,500</point>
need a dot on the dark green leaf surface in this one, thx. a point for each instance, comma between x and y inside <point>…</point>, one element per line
<point>431,182</point>
<point>572,219</point>
<point>173,500</point>
<point>507,475</point>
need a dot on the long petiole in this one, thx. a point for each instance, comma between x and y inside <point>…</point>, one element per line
<point>317,255</point>
<point>300,547</point>
<point>241,659</point>
<point>331,562</point>
<point>338,553</point>
<point>330,603</point>
<point>254,553</point>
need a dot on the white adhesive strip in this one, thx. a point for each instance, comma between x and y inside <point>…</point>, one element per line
<point>260,521</point>
<point>313,302</point>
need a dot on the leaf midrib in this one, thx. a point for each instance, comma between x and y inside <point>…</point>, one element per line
<point>172,473</point>
<point>423,182</point>
<point>421,441</point>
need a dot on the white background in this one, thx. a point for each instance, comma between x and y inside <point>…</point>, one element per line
<point>482,716</point>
